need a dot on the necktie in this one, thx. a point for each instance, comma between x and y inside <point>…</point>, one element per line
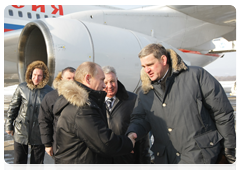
<point>109,103</point>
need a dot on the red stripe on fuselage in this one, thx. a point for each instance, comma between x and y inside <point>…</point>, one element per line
<point>6,30</point>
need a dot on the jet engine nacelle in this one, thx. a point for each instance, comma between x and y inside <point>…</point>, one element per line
<point>69,42</point>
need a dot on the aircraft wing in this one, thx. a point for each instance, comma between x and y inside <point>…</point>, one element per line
<point>224,15</point>
<point>169,25</point>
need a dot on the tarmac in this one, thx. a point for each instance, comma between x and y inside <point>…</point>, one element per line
<point>8,139</point>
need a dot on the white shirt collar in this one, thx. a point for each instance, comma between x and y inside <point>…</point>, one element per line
<point>114,97</point>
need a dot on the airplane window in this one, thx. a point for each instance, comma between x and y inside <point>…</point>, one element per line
<point>45,16</point>
<point>10,12</point>
<point>37,16</point>
<point>20,14</point>
<point>29,15</point>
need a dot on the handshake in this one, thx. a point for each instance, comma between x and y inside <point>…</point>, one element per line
<point>132,136</point>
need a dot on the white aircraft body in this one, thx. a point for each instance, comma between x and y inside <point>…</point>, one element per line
<point>111,36</point>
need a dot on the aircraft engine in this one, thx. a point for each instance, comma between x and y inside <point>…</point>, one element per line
<point>63,42</point>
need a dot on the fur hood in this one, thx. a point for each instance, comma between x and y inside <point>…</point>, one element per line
<point>57,80</point>
<point>28,75</point>
<point>72,92</point>
<point>177,66</point>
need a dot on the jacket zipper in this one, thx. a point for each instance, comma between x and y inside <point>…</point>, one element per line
<point>32,115</point>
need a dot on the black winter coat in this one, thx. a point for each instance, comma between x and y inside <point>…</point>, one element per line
<point>191,121</point>
<point>82,135</point>
<point>47,120</point>
<point>22,115</point>
<point>119,120</point>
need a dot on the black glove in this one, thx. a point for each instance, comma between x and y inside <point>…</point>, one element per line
<point>230,154</point>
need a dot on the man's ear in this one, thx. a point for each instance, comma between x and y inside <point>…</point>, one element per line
<point>87,79</point>
<point>164,59</point>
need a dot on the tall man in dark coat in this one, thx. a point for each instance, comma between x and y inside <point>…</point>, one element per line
<point>82,134</point>
<point>22,115</point>
<point>47,120</point>
<point>186,109</point>
<point>118,115</point>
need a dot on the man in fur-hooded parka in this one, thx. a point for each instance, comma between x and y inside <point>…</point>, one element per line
<point>47,120</point>
<point>82,134</point>
<point>22,115</point>
<point>186,109</point>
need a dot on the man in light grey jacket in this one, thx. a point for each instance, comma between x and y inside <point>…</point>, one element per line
<point>186,109</point>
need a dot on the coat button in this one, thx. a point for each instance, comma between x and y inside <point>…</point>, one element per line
<point>178,154</point>
<point>164,104</point>
<point>157,153</point>
<point>211,143</point>
<point>170,129</point>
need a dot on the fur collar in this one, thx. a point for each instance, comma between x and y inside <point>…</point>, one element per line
<point>177,66</point>
<point>72,92</point>
<point>57,80</point>
<point>28,75</point>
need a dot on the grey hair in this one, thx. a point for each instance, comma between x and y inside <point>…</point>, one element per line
<point>109,69</point>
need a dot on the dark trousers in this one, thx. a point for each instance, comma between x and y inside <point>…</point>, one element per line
<point>21,153</point>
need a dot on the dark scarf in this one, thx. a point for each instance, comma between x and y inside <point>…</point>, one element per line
<point>163,82</point>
